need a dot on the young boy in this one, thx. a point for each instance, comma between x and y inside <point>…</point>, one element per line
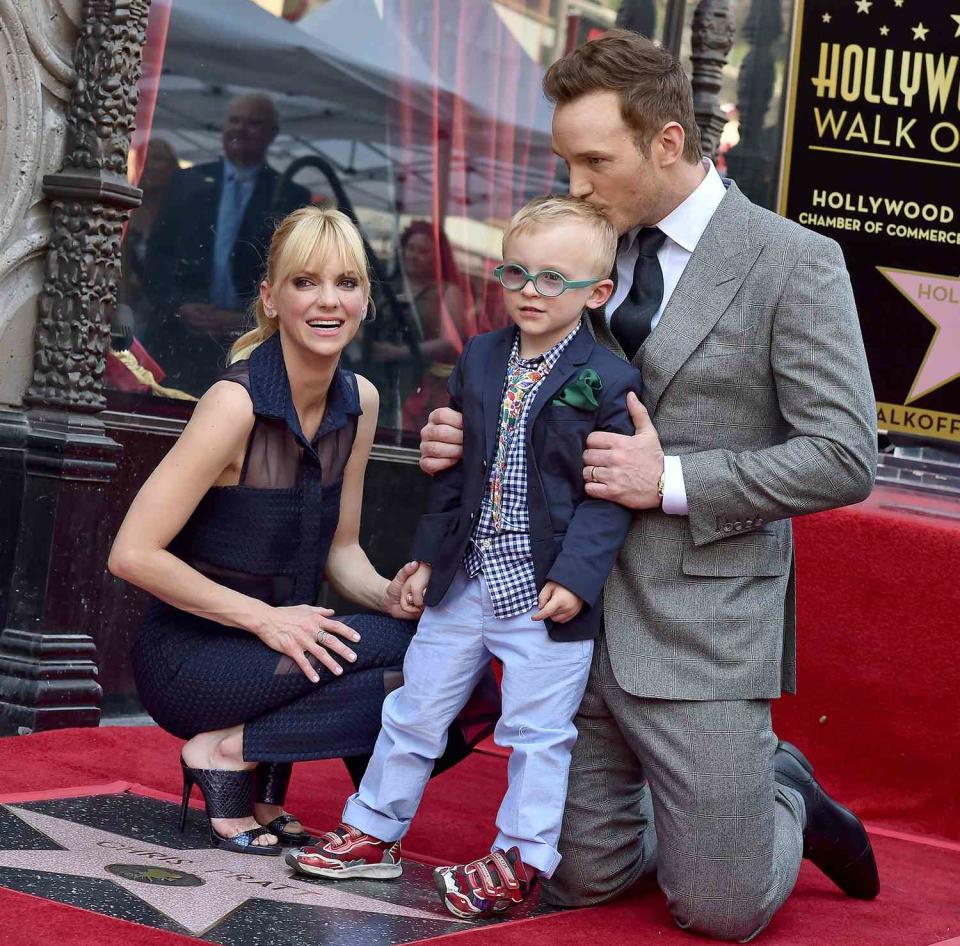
<point>513,558</point>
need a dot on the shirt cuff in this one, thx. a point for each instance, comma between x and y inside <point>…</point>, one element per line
<point>674,492</point>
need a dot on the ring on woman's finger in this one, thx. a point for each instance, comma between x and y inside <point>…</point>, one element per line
<point>321,636</point>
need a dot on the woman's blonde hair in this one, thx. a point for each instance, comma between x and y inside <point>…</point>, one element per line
<point>303,235</point>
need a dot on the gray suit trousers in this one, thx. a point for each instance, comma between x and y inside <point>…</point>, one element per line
<point>727,841</point>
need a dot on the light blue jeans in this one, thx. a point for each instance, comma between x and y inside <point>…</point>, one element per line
<point>543,683</point>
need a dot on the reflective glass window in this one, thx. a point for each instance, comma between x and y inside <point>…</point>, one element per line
<point>423,119</point>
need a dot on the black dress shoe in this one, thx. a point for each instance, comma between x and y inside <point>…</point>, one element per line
<point>834,838</point>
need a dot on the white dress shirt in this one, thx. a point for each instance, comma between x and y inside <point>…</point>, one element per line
<point>684,226</point>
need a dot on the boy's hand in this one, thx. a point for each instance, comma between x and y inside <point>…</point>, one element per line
<point>393,594</point>
<point>557,603</point>
<point>414,588</point>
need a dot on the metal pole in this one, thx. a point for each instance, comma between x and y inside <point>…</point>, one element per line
<point>673,26</point>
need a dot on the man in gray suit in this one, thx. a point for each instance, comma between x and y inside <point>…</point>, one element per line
<point>757,406</point>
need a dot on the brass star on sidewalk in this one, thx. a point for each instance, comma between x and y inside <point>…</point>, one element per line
<point>920,32</point>
<point>151,872</point>
<point>863,6</point>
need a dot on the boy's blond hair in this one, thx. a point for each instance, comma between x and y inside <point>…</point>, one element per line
<point>553,209</point>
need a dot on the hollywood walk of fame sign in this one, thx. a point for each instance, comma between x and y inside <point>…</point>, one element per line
<point>871,159</point>
<point>119,854</point>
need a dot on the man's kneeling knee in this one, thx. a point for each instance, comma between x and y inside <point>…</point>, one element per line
<point>735,921</point>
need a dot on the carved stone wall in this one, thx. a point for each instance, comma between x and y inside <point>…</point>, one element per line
<point>37,40</point>
<point>68,92</point>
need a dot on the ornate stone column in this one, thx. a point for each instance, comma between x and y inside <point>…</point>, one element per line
<point>55,456</point>
<point>711,42</point>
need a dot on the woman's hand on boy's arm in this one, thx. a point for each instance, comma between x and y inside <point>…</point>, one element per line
<point>414,588</point>
<point>557,603</point>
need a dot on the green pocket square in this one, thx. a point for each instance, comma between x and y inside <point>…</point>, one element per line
<point>581,393</point>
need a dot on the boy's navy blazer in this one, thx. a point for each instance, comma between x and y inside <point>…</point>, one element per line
<point>575,539</point>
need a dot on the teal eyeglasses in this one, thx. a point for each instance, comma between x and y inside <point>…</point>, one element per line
<point>514,277</point>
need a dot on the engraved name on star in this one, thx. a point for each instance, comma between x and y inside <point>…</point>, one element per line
<point>938,298</point>
<point>229,880</point>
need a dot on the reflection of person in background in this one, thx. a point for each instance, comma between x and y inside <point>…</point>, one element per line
<point>160,164</point>
<point>431,284</point>
<point>205,257</point>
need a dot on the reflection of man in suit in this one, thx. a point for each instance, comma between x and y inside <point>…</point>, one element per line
<point>207,254</point>
<point>755,386</point>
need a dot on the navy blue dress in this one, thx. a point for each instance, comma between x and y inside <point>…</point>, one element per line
<point>268,537</point>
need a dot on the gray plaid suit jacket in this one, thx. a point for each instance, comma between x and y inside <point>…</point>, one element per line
<point>756,377</point>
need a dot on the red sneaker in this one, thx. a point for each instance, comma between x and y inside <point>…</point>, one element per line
<point>347,852</point>
<point>489,885</point>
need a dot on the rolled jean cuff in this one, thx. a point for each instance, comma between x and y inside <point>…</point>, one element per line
<point>358,816</point>
<point>536,854</point>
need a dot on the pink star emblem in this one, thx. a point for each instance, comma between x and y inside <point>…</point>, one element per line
<point>938,298</point>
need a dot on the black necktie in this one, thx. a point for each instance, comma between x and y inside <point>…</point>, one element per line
<point>631,322</point>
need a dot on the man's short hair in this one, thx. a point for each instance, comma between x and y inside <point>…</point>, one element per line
<point>650,82</point>
<point>262,102</point>
<point>553,209</point>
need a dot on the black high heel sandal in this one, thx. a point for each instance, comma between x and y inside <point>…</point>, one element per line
<point>226,794</point>
<point>272,780</point>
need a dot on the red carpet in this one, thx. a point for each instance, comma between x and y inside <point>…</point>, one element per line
<point>879,662</point>
<point>919,906</point>
<point>877,714</point>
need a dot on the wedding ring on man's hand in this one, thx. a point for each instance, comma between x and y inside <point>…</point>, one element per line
<point>321,636</point>
<point>593,475</point>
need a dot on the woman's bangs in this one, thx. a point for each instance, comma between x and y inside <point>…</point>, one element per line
<point>321,238</point>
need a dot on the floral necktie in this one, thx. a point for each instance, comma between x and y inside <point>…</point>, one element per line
<point>520,380</point>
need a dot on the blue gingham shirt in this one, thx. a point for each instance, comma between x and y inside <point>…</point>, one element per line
<point>506,557</point>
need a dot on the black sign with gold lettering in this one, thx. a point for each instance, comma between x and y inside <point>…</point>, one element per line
<point>872,151</point>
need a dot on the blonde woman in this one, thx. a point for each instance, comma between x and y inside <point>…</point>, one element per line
<point>232,533</point>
